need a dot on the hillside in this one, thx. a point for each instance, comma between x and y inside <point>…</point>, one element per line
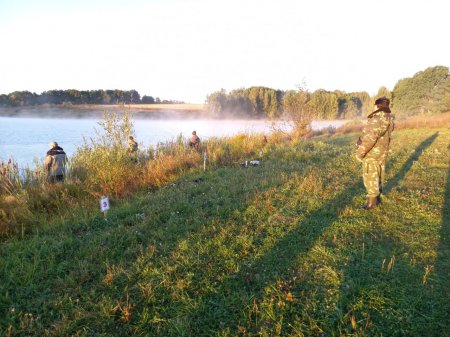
<point>280,249</point>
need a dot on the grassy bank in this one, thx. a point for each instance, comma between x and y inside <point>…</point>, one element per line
<point>277,249</point>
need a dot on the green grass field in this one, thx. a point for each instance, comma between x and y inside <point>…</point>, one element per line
<point>281,249</point>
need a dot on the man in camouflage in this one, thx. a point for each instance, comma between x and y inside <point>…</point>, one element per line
<point>132,148</point>
<point>372,150</point>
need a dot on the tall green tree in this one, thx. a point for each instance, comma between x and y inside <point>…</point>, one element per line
<point>383,91</point>
<point>148,99</point>
<point>426,92</point>
<point>324,104</point>
<point>254,102</point>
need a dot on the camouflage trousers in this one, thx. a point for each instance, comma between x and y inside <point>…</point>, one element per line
<point>373,177</point>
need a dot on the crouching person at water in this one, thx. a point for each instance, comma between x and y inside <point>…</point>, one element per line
<point>55,163</point>
<point>194,141</point>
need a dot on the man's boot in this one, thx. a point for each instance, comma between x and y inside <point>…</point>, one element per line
<point>380,187</point>
<point>371,203</point>
<point>379,199</point>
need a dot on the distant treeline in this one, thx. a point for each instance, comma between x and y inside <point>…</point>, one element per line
<point>262,102</point>
<point>72,96</point>
<point>427,91</point>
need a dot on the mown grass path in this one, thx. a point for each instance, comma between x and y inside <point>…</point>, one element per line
<point>281,249</point>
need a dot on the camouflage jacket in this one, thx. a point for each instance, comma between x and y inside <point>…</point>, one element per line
<point>373,145</point>
<point>132,146</point>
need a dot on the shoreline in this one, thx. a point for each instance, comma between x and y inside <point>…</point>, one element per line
<point>26,137</point>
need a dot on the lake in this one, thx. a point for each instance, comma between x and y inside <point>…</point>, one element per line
<point>26,139</point>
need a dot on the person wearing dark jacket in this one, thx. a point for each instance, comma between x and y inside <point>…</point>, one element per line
<point>55,162</point>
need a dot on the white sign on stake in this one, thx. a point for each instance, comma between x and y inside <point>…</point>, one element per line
<point>104,204</point>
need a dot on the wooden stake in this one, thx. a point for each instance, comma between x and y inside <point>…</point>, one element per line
<point>204,161</point>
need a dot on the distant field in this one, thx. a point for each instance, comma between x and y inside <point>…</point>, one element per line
<point>146,107</point>
<point>97,109</point>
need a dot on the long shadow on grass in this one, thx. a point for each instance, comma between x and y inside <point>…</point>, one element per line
<point>443,260</point>
<point>381,295</point>
<point>395,180</point>
<point>226,308</point>
<point>78,254</point>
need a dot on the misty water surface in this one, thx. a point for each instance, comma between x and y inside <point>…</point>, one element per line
<point>27,139</point>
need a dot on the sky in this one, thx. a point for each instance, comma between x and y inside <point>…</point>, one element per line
<point>185,50</point>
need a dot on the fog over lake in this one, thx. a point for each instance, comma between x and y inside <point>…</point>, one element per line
<point>26,139</point>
